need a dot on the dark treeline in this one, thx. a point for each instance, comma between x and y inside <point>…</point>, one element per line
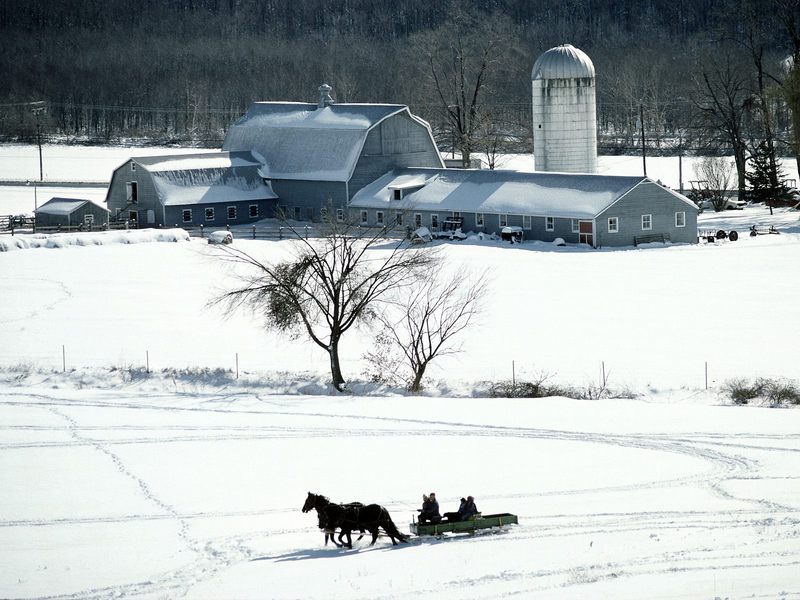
<point>181,70</point>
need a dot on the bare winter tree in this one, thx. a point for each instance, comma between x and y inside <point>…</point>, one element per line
<point>715,175</point>
<point>461,56</point>
<point>328,287</point>
<point>424,321</point>
<point>723,99</point>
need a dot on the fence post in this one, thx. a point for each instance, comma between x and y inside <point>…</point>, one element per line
<point>147,361</point>
<point>63,358</point>
<point>237,365</point>
<point>254,232</point>
<point>201,230</point>
<point>280,233</point>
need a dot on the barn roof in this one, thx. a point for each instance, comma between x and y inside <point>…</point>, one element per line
<point>304,141</point>
<point>65,206</point>
<point>497,191</point>
<point>215,177</point>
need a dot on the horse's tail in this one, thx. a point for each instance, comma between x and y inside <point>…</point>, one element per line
<point>390,528</point>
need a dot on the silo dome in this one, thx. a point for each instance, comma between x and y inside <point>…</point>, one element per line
<point>564,111</point>
<point>563,62</point>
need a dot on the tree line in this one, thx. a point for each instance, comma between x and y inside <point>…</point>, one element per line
<point>711,76</point>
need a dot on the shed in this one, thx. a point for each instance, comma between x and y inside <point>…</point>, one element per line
<point>71,212</point>
<point>320,155</point>
<point>213,189</point>
<point>598,210</point>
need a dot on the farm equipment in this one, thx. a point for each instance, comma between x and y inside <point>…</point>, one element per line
<point>711,235</point>
<point>757,230</point>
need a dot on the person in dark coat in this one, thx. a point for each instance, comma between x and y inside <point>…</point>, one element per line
<point>430,509</point>
<point>468,508</point>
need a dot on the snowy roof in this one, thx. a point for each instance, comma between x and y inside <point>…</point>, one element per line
<point>207,178</point>
<point>303,141</point>
<point>563,62</point>
<point>64,206</point>
<point>497,191</point>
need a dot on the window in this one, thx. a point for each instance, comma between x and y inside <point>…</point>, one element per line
<point>309,213</point>
<point>323,213</point>
<point>283,212</point>
<point>379,217</point>
<point>456,214</point>
<point>231,212</point>
<point>209,214</point>
<point>647,222</point>
<point>399,219</point>
<point>503,220</point>
<point>398,194</point>
<point>132,192</point>
<point>187,215</point>
<point>434,222</point>
<point>478,219</point>
<point>575,226</point>
<point>526,222</point>
<point>88,220</point>
<point>549,224</point>
<point>417,220</point>
<point>680,219</point>
<point>613,224</point>
<point>254,210</point>
<point>133,166</point>
<point>297,214</point>
<point>340,215</point>
<point>363,217</point>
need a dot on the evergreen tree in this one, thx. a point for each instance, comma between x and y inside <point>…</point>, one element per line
<point>766,182</point>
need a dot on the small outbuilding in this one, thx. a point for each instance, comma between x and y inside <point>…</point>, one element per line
<point>71,212</point>
<point>597,210</point>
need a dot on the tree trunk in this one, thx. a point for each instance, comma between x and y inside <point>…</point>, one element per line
<point>336,370</point>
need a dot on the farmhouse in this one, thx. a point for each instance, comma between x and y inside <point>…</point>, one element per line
<point>71,212</point>
<point>598,210</point>
<point>214,189</point>
<point>319,155</point>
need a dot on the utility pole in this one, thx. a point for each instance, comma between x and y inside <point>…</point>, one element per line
<point>644,150</point>
<point>37,108</point>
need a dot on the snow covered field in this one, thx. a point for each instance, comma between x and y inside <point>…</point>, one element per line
<point>188,482</point>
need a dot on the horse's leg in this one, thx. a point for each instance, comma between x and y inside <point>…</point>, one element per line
<point>361,529</point>
<point>374,533</point>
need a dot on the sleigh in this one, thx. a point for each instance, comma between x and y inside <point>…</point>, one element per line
<point>474,524</point>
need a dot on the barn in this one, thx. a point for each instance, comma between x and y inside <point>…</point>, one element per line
<point>213,189</point>
<point>71,212</point>
<point>320,155</point>
<point>598,210</point>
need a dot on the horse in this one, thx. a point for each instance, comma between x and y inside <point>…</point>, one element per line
<point>371,517</point>
<point>318,503</point>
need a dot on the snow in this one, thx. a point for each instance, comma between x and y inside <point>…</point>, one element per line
<point>221,160</point>
<point>187,481</point>
<point>209,186</point>
<point>96,238</point>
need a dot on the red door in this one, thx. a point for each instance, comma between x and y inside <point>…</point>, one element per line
<point>585,232</point>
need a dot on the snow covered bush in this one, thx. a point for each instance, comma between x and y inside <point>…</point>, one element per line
<point>776,392</point>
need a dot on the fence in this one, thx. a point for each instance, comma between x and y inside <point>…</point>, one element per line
<point>11,224</point>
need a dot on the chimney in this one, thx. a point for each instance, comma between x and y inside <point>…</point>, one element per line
<point>325,95</point>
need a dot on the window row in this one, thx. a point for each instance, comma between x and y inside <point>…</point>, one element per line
<point>646,222</point>
<point>209,213</point>
<point>433,220</point>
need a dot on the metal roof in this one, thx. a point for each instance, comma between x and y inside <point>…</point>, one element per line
<point>563,62</point>
<point>498,191</point>
<point>303,141</point>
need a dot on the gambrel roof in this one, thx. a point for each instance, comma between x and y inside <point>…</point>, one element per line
<point>300,140</point>
<point>565,195</point>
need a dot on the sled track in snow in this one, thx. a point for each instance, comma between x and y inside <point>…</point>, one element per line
<point>723,452</point>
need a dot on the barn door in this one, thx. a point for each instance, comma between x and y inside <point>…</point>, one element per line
<point>585,232</point>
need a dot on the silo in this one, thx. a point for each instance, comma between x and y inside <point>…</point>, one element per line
<point>564,111</point>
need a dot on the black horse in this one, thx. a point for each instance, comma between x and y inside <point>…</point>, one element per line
<point>371,517</point>
<point>330,532</point>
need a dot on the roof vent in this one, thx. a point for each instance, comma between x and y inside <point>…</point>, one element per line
<point>325,95</point>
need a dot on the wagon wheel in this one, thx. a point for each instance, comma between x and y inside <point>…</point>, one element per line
<point>733,236</point>
<point>711,239</point>
<point>721,235</point>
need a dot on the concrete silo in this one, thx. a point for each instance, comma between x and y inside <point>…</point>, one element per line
<point>564,111</point>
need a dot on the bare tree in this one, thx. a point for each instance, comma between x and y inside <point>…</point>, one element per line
<point>329,286</point>
<point>723,99</point>
<point>425,320</point>
<point>715,175</point>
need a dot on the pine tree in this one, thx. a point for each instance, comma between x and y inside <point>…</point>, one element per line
<point>766,179</point>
